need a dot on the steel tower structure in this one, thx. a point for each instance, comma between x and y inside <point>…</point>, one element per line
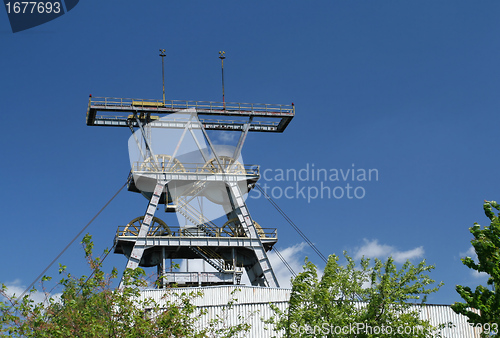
<point>232,246</point>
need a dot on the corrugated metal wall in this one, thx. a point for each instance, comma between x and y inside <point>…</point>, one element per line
<point>441,314</point>
<point>252,304</point>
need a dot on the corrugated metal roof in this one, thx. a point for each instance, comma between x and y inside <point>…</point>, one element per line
<point>252,306</point>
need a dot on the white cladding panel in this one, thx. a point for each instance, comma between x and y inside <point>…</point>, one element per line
<point>252,305</point>
<point>221,295</point>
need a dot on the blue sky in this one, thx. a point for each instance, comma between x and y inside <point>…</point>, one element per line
<point>408,88</point>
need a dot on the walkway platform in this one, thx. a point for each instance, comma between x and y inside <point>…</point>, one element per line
<point>118,112</point>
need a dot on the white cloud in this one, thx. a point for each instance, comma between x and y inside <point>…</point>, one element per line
<point>16,289</point>
<point>469,253</point>
<point>403,256</point>
<point>373,249</point>
<point>226,137</point>
<point>293,257</point>
<point>472,253</point>
<point>478,275</point>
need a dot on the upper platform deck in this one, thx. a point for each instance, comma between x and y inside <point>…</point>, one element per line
<point>118,112</point>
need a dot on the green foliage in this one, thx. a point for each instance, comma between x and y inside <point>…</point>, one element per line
<point>364,301</point>
<point>89,307</point>
<point>486,299</point>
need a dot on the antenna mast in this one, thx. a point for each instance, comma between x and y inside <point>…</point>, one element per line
<point>222,57</point>
<point>162,54</point>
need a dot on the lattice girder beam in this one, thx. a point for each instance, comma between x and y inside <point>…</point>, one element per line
<point>261,272</point>
<point>138,249</point>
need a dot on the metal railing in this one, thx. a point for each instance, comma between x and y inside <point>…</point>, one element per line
<point>113,102</point>
<point>196,168</point>
<point>177,231</point>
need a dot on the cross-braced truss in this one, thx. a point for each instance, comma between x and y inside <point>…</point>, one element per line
<point>237,244</point>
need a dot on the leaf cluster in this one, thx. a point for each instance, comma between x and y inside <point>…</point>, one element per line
<point>346,296</point>
<point>486,299</point>
<point>90,307</point>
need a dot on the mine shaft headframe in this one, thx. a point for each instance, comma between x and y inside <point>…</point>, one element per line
<point>118,112</point>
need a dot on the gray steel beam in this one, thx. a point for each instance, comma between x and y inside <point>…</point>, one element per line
<point>187,241</point>
<point>124,122</point>
<point>138,249</point>
<point>262,270</point>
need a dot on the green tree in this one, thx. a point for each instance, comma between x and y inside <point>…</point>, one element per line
<point>364,301</point>
<point>90,307</point>
<point>486,299</point>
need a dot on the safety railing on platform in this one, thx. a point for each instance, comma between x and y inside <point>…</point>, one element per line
<point>177,231</point>
<point>113,102</point>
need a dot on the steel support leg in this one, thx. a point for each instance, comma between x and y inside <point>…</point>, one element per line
<point>140,244</point>
<point>261,273</point>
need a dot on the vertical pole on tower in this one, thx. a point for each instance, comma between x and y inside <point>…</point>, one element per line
<point>222,57</point>
<point>162,54</point>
